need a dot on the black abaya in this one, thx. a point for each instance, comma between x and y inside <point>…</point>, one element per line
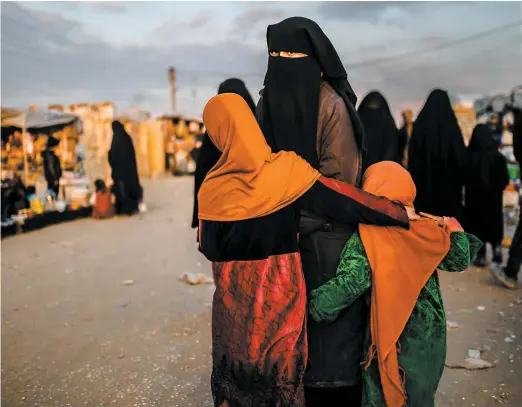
<point>288,117</point>
<point>292,85</point>
<point>122,159</point>
<point>487,177</point>
<point>382,136</point>
<point>437,158</point>
<point>209,154</point>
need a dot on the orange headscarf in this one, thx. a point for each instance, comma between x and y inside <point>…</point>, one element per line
<point>402,261</point>
<point>248,181</point>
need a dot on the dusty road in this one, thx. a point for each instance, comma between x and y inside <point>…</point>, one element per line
<point>73,334</point>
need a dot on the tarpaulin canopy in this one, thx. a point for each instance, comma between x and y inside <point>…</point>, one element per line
<point>33,120</point>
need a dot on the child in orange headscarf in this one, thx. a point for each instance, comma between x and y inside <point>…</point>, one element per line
<point>394,268</point>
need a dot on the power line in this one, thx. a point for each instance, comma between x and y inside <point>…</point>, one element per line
<point>376,61</point>
<point>438,47</point>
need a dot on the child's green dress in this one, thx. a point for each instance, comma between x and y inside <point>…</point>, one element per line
<point>423,341</point>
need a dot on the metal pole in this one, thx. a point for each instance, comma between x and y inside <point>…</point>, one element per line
<point>172,80</point>
<point>24,149</point>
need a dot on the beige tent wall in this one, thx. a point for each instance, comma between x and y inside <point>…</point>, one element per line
<point>156,147</point>
<point>97,138</point>
<point>142,147</point>
<point>467,119</point>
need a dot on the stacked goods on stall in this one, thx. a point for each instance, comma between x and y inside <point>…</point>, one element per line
<point>467,119</point>
<point>180,140</point>
<point>28,134</point>
<point>25,137</point>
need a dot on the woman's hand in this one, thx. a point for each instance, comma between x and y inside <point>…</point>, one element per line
<point>412,215</point>
<point>450,224</point>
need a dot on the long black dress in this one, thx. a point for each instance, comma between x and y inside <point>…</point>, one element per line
<point>487,177</point>
<point>437,158</point>
<point>382,136</point>
<point>289,119</point>
<point>208,154</point>
<point>122,159</point>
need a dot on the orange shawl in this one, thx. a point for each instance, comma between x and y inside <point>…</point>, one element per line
<point>402,261</point>
<point>248,181</point>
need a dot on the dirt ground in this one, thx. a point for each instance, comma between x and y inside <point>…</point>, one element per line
<point>73,334</point>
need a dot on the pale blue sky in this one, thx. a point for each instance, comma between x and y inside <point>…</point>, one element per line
<point>64,52</point>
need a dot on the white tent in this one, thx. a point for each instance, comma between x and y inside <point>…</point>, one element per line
<point>33,120</point>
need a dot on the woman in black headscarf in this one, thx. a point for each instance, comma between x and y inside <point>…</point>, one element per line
<point>122,159</point>
<point>487,177</point>
<point>208,154</point>
<point>382,135</point>
<point>437,158</point>
<point>51,165</point>
<point>308,106</point>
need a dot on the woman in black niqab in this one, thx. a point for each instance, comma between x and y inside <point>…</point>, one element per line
<point>122,159</point>
<point>292,86</point>
<point>437,158</point>
<point>382,135</point>
<point>209,154</point>
<point>487,177</point>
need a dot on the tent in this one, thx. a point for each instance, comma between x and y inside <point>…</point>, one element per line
<point>34,120</point>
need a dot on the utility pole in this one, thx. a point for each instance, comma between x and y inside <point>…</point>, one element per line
<point>172,80</point>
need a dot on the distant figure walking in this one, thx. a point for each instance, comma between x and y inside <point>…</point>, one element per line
<point>509,275</point>
<point>437,158</point>
<point>122,159</point>
<point>487,177</point>
<point>404,136</point>
<point>382,135</point>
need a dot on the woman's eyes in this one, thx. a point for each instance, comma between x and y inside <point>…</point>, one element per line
<point>274,54</point>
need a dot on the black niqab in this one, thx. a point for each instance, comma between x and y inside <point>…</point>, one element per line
<point>382,135</point>
<point>237,86</point>
<point>209,154</point>
<point>122,159</point>
<point>292,88</point>
<point>437,157</point>
<point>487,177</point>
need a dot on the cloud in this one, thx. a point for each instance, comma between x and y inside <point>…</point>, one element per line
<point>249,19</point>
<point>371,11</point>
<point>200,20</point>
<point>113,7</point>
<point>31,66</point>
<point>47,58</point>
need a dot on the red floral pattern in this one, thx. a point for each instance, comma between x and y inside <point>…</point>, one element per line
<point>259,332</point>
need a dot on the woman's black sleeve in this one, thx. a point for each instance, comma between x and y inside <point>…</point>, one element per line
<point>345,203</point>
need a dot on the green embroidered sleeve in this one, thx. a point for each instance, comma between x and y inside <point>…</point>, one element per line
<point>463,250</point>
<point>352,280</point>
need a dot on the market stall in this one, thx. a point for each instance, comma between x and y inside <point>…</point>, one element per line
<point>25,135</point>
<point>28,205</point>
<point>180,134</point>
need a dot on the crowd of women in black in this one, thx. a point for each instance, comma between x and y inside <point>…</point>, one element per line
<point>307,106</point>
<point>464,182</point>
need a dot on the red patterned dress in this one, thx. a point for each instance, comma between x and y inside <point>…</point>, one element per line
<point>259,346</point>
